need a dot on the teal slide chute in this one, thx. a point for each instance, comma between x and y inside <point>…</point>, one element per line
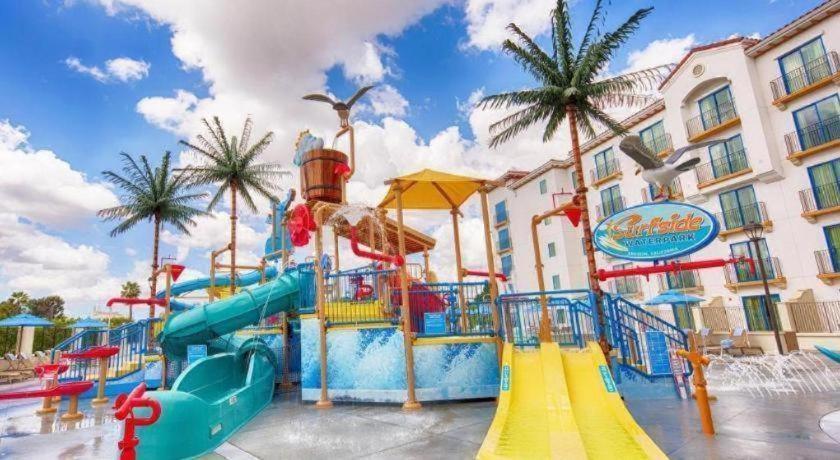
<point>185,287</point>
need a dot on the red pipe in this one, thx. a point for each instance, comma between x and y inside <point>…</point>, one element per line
<point>124,406</point>
<point>603,275</point>
<point>135,301</point>
<point>484,274</point>
<point>354,245</point>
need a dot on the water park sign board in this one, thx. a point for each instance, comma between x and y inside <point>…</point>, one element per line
<point>656,231</point>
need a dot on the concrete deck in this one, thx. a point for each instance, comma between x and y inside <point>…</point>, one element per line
<point>747,428</point>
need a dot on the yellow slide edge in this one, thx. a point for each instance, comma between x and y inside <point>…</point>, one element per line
<point>494,433</point>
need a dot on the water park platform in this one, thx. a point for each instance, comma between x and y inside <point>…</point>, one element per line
<point>747,428</point>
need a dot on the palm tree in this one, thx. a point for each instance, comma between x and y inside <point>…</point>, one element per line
<point>231,164</point>
<point>569,88</point>
<point>153,195</point>
<point>130,290</point>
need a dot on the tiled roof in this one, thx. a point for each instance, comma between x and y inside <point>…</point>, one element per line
<point>811,17</point>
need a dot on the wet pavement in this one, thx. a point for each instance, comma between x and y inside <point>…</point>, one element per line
<point>748,427</point>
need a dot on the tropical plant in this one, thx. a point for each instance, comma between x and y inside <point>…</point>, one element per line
<point>130,290</point>
<point>14,305</point>
<point>571,87</point>
<point>231,164</point>
<point>50,307</point>
<point>154,195</point>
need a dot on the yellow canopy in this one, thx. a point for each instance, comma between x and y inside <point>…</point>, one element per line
<point>428,189</point>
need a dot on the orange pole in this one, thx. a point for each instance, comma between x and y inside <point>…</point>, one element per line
<point>701,393</point>
<point>411,402</point>
<point>324,399</point>
<point>464,320</point>
<point>73,413</point>
<point>491,271</point>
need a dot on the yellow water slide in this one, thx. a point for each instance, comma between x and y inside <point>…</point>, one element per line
<point>562,404</point>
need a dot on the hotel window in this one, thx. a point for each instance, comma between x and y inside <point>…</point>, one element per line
<point>501,212</point>
<point>716,108</point>
<point>543,187</point>
<point>682,315</point>
<point>547,221</point>
<point>653,137</point>
<point>507,264</point>
<point>605,163</point>
<point>552,250</point>
<point>504,239</point>
<point>728,157</point>
<point>739,207</point>
<point>832,240</point>
<point>555,282</point>
<point>757,313</point>
<point>745,271</point>
<point>611,201</point>
<point>818,123</point>
<point>825,181</point>
<point>682,279</point>
<point>574,180</point>
<point>804,65</point>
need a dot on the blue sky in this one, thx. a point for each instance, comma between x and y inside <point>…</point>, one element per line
<point>428,57</point>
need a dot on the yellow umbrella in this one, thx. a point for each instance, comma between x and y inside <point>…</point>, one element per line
<point>428,189</point>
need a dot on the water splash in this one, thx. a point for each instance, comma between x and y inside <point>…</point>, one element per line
<point>799,372</point>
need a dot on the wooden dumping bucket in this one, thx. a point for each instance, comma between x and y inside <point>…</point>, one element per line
<point>320,180</point>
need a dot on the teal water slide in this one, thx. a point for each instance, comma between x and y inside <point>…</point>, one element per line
<point>216,395</point>
<point>185,287</point>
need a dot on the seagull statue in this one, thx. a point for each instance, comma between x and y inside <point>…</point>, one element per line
<point>655,171</point>
<point>343,108</point>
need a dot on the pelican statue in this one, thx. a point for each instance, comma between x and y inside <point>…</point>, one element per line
<point>655,171</point>
<point>343,108</point>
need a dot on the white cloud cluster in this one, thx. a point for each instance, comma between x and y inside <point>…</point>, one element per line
<point>487,20</point>
<point>659,52</point>
<point>122,69</point>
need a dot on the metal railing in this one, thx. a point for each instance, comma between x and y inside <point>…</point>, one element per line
<point>685,279</point>
<point>828,261</point>
<point>722,320</point>
<point>813,135</point>
<point>710,118</point>
<point>745,272</point>
<point>820,197</point>
<point>571,318</point>
<point>659,144</point>
<point>753,213</point>
<point>732,163</point>
<point>605,170</point>
<point>617,205</point>
<point>360,297</point>
<point>436,308</point>
<point>815,316</point>
<point>675,189</point>
<point>811,72</point>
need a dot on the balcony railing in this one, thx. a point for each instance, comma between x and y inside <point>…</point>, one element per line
<point>710,119</point>
<point>686,279</point>
<point>828,261</point>
<point>811,72</point>
<point>604,210</point>
<point>815,316</point>
<point>723,319</point>
<point>675,190</point>
<point>745,272</point>
<point>627,285</point>
<point>604,171</point>
<point>812,136</point>
<point>659,144</point>
<point>721,167</point>
<point>819,198</point>
<point>732,219</point>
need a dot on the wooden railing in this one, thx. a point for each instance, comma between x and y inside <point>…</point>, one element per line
<point>723,319</point>
<point>815,316</point>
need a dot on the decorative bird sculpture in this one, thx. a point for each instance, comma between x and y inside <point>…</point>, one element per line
<point>343,108</point>
<point>655,171</point>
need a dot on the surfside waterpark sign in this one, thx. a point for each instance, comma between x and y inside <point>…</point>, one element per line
<point>656,231</point>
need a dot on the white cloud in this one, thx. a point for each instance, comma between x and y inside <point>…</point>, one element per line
<point>487,20</point>
<point>123,69</point>
<point>386,100</point>
<point>41,187</point>
<point>365,64</point>
<point>659,52</point>
<point>213,232</point>
<point>169,113</point>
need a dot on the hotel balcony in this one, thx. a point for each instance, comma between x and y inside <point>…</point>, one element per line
<point>813,139</point>
<point>675,188</point>
<point>687,281</point>
<point>819,201</point>
<point>661,145</point>
<point>712,122</point>
<point>813,75</point>
<point>815,317</point>
<point>743,275</point>
<point>722,169</point>
<point>828,264</point>
<point>602,174</point>
<point>732,221</point>
<point>627,286</point>
<point>601,213</point>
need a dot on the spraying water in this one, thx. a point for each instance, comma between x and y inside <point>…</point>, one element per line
<point>799,372</point>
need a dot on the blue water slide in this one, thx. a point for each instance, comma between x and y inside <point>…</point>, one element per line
<point>275,243</point>
<point>198,284</point>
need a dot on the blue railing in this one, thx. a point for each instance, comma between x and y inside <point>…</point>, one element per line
<point>436,309</point>
<point>572,320</point>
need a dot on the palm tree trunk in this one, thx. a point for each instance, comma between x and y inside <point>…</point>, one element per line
<point>155,245</point>
<point>232,237</point>
<point>587,229</point>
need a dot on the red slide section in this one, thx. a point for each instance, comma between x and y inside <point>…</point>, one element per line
<point>63,389</point>
<point>422,300</point>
